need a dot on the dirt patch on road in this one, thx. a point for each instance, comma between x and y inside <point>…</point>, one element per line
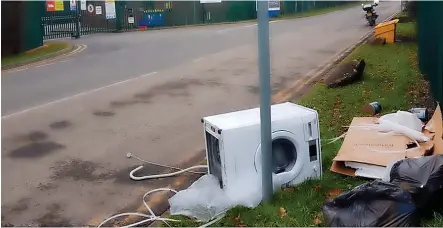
<point>53,218</point>
<point>22,205</point>
<point>35,150</point>
<point>181,88</point>
<point>60,124</point>
<point>33,136</point>
<point>79,170</point>
<point>103,113</point>
<point>34,144</point>
<point>47,187</point>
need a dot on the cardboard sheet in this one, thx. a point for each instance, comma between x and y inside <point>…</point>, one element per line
<point>371,147</point>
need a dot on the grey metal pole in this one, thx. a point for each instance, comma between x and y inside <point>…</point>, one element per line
<point>265,97</point>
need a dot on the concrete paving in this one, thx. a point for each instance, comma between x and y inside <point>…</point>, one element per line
<point>67,125</point>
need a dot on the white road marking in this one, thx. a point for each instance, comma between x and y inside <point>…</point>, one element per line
<point>17,70</point>
<point>76,95</point>
<point>235,28</point>
<point>64,61</point>
<point>246,26</point>
<point>47,64</point>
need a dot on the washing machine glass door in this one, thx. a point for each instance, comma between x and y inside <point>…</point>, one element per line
<point>287,157</point>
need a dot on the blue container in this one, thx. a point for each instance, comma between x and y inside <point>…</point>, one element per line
<point>146,20</point>
<point>273,13</point>
<point>158,19</point>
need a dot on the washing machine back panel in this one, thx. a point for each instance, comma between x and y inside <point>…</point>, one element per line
<point>215,162</point>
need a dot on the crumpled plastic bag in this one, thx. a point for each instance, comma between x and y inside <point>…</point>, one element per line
<point>407,119</point>
<point>372,204</point>
<point>400,122</point>
<point>203,200</point>
<point>422,178</point>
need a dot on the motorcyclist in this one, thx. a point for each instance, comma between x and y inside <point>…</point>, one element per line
<point>370,5</point>
<point>370,14</point>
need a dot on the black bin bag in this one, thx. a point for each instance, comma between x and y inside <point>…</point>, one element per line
<point>423,178</point>
<point>372,204</point>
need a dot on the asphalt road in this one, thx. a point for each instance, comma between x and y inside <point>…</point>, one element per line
<point>68,124</point>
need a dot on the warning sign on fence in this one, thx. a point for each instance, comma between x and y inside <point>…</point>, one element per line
<point>73,5</point>
<point>110,9</point>
<point>98,10</point>
<point>55,5</point>
<point>83,4</point>
<point>91,8</point>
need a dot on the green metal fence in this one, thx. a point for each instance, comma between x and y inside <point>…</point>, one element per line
<point>64,20</point>
<point>293,7</point>
<point>430,44</point>
<point>20,28</point>
<point>72,19</point>
<point>184,13</point>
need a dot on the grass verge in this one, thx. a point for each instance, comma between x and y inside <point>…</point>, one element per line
<point>407,31</point>
<point>46,49</point>
<point>392,78</point>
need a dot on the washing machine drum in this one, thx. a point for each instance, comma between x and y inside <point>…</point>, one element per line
<point>287,160</point>
<point>284,155</point>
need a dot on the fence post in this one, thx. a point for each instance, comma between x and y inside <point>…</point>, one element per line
<point>118,16</point>
<point>77,20</point>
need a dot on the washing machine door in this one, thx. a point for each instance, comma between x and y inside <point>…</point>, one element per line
<point>288,157</point>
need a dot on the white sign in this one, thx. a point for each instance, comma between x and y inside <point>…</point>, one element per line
<point>73,5</point>
<point>110,9</point>
<point>90,8</point>
<point>98,10</point>
<point>272,5</point>
<point>83,4</point>
<point>131,20</point>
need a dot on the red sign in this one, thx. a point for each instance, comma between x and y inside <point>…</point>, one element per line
<point>50,6</point>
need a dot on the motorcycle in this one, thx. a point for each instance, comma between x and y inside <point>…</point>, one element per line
<point>370,13</point>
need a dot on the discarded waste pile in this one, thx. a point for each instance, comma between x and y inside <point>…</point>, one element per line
<point>406,159</point>
<point>234,163</point>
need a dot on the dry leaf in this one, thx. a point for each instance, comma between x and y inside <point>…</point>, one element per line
<point>238,222</point>
<point>289,189</point>
<point>317,188</point>
<point>282,212</point>
<point>317,220</point>
<point>334,193</point>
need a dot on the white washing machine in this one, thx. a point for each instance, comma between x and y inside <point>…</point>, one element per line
<point>233,147</point>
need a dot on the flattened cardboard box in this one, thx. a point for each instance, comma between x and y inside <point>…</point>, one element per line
<point>374,148</point>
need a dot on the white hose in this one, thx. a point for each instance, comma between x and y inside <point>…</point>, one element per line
<point>151,216</point>
<point>212,222</point>
<point>131,174</point>
<point>130,155</point>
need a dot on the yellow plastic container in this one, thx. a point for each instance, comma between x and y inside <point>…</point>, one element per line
<point>386,30</point>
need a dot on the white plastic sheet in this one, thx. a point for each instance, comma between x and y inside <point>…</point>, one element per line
<point>205,200</point>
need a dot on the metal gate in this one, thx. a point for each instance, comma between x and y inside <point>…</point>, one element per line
<point>75,18</point>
